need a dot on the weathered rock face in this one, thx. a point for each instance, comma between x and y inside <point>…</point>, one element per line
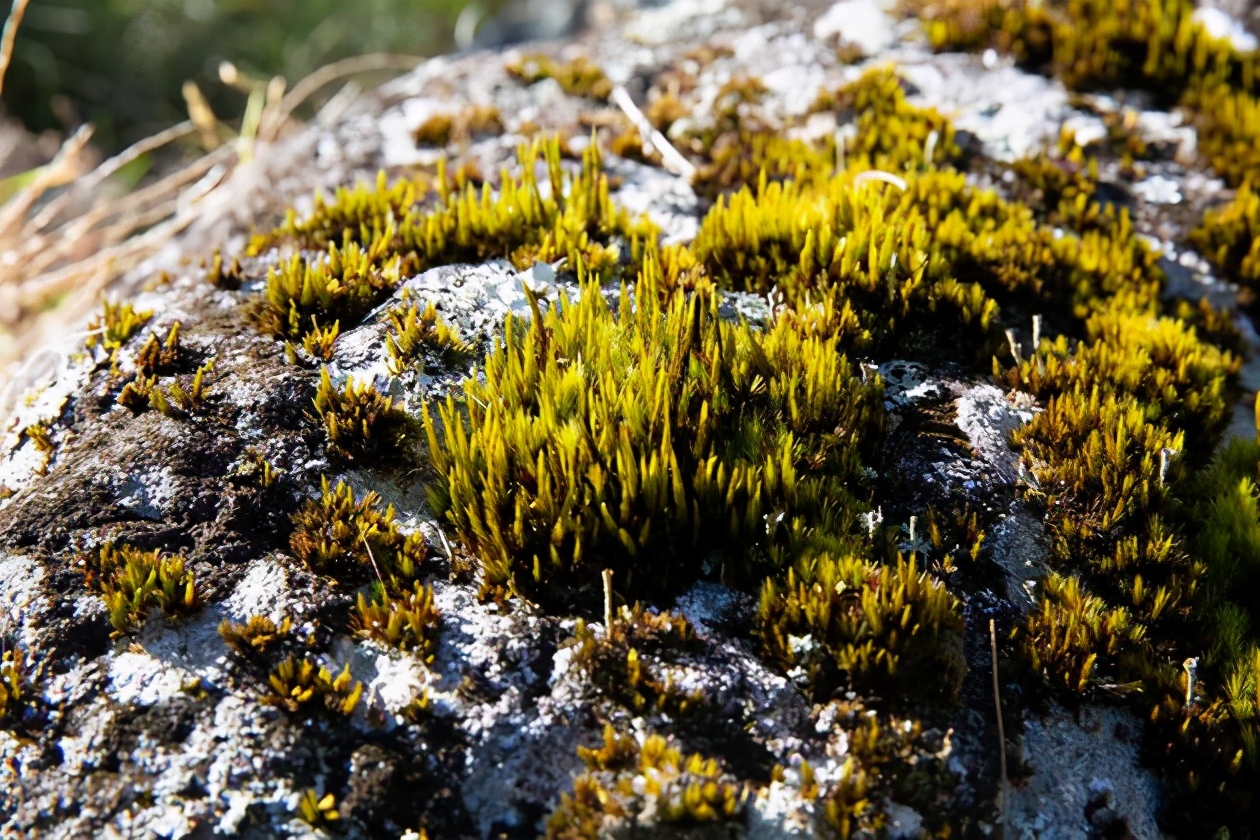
<point>163,729</point>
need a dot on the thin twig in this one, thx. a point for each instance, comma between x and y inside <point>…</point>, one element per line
<point>670,157</point>
<point>997,702</point>
<point>372,557</point>
<point>274,119</point>
<point>608,602</point>
<point>10,35</point>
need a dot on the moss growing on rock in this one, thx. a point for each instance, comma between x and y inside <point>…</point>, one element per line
<point>644,433</point>
<point>132,582</point>
<point>626,780</point>
<point>345,537</point>
<point>841,623</point>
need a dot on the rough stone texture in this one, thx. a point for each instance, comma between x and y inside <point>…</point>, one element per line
<point>164,735</point>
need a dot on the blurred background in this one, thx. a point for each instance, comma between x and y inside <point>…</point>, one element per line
<point>120,64</point>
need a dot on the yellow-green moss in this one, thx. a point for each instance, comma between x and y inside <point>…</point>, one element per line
<point>1229,236</point>
<point>340,535</point>
<point>578,77</point>
<point>301,685</point>
<point>843,622</point>
<point>625,780</point>
<point>401,617</point>
<point>132,582</point>
<point>642,435</point>
<point>359,422</point>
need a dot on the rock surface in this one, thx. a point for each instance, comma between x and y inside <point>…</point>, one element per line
<point>164,734</point>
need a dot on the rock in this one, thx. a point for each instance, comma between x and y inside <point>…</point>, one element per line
<point>167,730</point>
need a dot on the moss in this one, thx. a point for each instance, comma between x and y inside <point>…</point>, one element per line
<point>115,326</point>
<point>400,617</point>
<point>626,783</point>
<point>360,423</point>
<point>318,811</point>
<point>843,622</point>
<point>342,536</point>
<point>1229,236</point>
<point>891,134</point>
<point>257,635</point>
<point>344,284</point>
<point>643,434</point>
<point>1160,361</point>
<point>373,236</point>
<point>1153,45</point>
<point>617,662</point>
<point>468,124</point>
<point>887,759</point>
<point>17,685</point>
<point>301,685</point>
<point>578,77</point>
<point>413,331</point>
<point>133,582</point>
<point>435,131</point>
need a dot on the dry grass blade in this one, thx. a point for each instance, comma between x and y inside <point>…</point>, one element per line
<point>10,35</point>
<point>72,246</point>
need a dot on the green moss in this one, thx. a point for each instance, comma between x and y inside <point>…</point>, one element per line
<point>412,331</point>
<point>360,423</point>
<point>578,77</point>
<point>17,685</point>
<point>627,782</point>
<point>1153,45</point>
<point>1160,361</point>
<point>616,662</point>
<point>641,435</point>
<point>1229,236</point>
<point>255,636</point>
<point>400,617</point>
<point>344,284</point>
<point>115,326</point>
<point>300,685</point>
<point>345,537</point>
<point>468,124</point>
<point>844,622</point>
<point>319,812</point>
<point>892,134</point>
<point>134,582</point>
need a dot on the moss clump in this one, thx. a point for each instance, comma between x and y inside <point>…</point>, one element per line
<point>319,812</point>
<point>625,780</point>
<point>16,685</point>
<point>303,293</point>
<point>1227,122</point>
<point>1161,361</point>
<point>1152,45</point>
<point>466,125</point>
<point>257,635</point>
<point>343,537</point>
<point>1077,639</point>
<point>1229,236</point>
<point>400,617</point>
<point>115,326</point>
<point>842,622</point>
<point>891,134</point>
<point>133,582</point>
<point>360,423</point>
<point>617,661</point>
<point>644,434</point>
<point>887,759</point>
<point>300,685</point>
<point>578,77</point>
<point>412,331</point>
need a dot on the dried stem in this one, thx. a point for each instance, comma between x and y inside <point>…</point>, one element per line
<point>10,35</point>
<point>997,703</point>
